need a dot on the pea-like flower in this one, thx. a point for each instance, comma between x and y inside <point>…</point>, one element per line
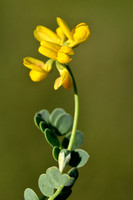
<point>79,34</point>
<point>58,47</point>
<point>65,78</point>
<point>39,69</point>
<point>56,51</point>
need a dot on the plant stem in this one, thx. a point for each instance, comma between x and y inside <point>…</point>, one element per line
<point>76,112</point>
<point>56,193</point>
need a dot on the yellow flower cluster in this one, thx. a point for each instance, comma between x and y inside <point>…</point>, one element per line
<point>58,47</point>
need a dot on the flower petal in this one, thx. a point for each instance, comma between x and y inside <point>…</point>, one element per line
<point>34,64</point>
<point>63,58</point>
<point>61,34</point>
<point>58,83</point>
<point>66,49</point>
<point>42,33</point>
<point>81,33</point>
<point>37,76</point>
<point>51,45</point>
<point>47,52</point>
<point>64,28</point>
<point>65,79</point>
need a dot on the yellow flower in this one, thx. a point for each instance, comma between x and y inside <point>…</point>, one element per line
<point>79,34</point>
<point>42,33</point>
<point>58,47</point>
<point>56,51</point>
<point>39,69</point>
<point>65,78</point>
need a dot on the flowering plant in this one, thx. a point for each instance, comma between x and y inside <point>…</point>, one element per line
<point>58,47</point>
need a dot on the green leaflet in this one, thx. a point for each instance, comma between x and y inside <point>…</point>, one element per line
<point>79,158</point>
<point>51,138</point>
<point>55,152</point>
<point>64,123</point>
<point>56,124</point>
<point>52,180</point>
<point>55,114</point>
<point>78,140</point>
<point>29,194</point>
<point>42,115</point>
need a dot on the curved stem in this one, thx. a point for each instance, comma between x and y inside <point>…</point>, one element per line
<point>76,112</point>
<point>56,193</point>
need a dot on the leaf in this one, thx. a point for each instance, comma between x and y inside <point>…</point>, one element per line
<point>65,193</point>
<point>51,138</point>
<point>64,123</point>
<point>43,125</point>
<point>55,152</point>
<point>42,115</point>
<point>44,185</point>
<point>66,180</point>
<point>79,158</point>
<point>73,173</point>
<point>29,194</point>
<point>56,112</point>
<point>78,140</point>
<point>54,177</point>
<point>37,120</point>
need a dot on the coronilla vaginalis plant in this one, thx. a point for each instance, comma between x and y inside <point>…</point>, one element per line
<point>57,183</point>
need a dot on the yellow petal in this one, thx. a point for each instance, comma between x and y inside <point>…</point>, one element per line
<point>65,80</point>
<point>68,83</point>
<point>53,46</point>
<point>34,64</point>
<point>81,33</point>
<point>64,28</point>
<point>42,33</point>
<point>48,65</point>
<point>37,76</point>
<point>61,34</point>
<point>63,58</point>
<point>58,83</point>
<point>66,49</point>
<point>47,52</point>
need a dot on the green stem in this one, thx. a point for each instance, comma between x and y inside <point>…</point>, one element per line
<point>56,193</point>
<point>76,112</point>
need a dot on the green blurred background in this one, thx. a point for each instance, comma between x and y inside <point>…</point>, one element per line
<point>103,68</point>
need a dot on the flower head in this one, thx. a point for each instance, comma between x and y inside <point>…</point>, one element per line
<point>58,47</point>
<point>65,78</point>
<point>39,69</point>
<point>78,35</point>
<point>56,51</point>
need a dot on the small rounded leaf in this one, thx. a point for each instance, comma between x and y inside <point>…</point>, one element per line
<point>65,193</point>
<point>42,115</point>
<point>79,158</point>
<point>44,185</point>
<point>64,123</point>
<point>54,176</point>
<point>66,180</point>
<point>73,173</point>
<point>56,112</point>
<point>78,140</point>
<point>29,194</point>
<point>51,138</point>
<point>55,152</point>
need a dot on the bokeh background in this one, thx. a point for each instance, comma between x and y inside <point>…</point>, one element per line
<point>103,68</point>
